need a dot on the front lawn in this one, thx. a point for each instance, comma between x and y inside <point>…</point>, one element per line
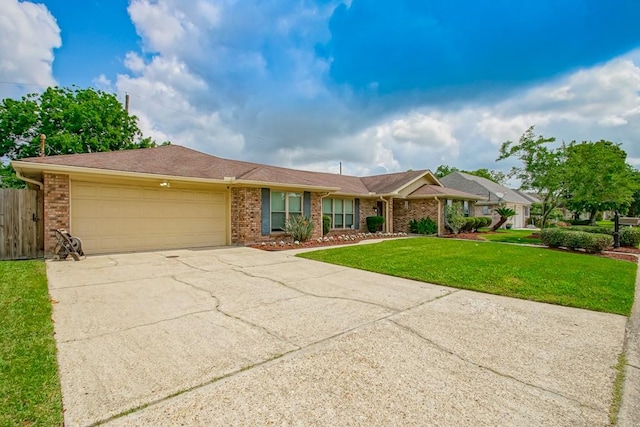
<point>537,274</point>
<point>29,384</point>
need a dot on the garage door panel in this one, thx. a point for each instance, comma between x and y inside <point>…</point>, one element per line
<point>112,218</point>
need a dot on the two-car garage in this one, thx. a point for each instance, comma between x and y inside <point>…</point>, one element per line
<point>110,217</point>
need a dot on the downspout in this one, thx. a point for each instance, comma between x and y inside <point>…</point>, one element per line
<point>29,180</point>
<point>439,212</point>
<point>386,214</point>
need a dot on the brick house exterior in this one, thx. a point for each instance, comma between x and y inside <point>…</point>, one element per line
<point>242,191</point>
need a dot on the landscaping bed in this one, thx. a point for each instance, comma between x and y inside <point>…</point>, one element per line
<point>327,241</point>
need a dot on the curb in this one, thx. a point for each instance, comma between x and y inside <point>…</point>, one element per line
<point>629,414</point>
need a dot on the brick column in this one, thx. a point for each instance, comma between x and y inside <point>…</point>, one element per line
<point>56,208</point>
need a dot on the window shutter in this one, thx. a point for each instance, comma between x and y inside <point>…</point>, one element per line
<point>266,211</point>
<point>356,214</point>
<point>306,209</point>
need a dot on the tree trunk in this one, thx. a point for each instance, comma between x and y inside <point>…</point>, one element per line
<point>498,224</point>
<point>592,216</point>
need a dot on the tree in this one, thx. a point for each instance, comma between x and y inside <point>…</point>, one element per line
<point>598,178</point>
<point>542,168</point>
<point>634,208</point>
<point>444,170</point>
<point>495,176</point>
<point>505,213</point>
<point>74,120</point>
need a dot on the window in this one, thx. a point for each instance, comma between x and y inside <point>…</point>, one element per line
<point>283,206</point>
<point>485,210</point>
<point>340,211</point>
<point>465,208</point>
<point>527,211</point>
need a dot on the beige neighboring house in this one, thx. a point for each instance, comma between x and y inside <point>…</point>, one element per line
<point>494,194</point>
<point>173,197</point>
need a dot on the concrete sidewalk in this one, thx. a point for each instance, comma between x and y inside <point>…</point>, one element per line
<point>630,410</point>
<point>238,336</point>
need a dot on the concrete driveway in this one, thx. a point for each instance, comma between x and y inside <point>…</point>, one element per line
<point>238,336</point>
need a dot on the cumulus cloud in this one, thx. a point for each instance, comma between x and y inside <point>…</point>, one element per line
<point>314,84</point>
<point>29,35</point>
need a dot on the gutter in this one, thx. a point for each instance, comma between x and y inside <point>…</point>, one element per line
<point>29,180</point>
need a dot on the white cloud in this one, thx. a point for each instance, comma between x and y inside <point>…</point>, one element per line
<point>246,83</point>
<point>29,35</point>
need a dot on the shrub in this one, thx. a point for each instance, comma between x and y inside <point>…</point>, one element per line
<point>472,223</point>
<point>326,224</point>
<point>630,237</point>
<point>573,239</point>
<point>551,237</point>
<point>590,229</point>
<point>578,221</point>
<point>485,221</point>
<point>374,223</point>
<point>299,227</point>
<point>423,226</point>
<point>454,218</point>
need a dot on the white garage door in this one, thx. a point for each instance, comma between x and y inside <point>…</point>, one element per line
<point>118,218</point>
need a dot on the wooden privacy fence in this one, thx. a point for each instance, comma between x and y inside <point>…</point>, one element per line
<point>21,224</point>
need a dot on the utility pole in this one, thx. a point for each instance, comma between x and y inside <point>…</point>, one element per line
<point>42,138</point>
<point>340,168</point>
<point>126,103</point>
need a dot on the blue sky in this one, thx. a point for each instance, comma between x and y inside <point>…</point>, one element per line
<point>379,86</point>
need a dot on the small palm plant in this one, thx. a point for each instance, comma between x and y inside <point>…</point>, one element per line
<point>300,228</point>
<point>505,213</point>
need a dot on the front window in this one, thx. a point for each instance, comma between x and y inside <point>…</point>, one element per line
<point>340,211</point>
<point>284,205</point>
<point>485,210</point>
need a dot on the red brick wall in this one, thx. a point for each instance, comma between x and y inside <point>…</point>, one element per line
<point>415,209</point>
<point>246,217</point>
<point>56,208</point>
<point>246,206</point>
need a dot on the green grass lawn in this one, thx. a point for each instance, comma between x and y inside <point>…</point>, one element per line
<point>537,274</point>
<point>29,384</point>
<point>511,236</point>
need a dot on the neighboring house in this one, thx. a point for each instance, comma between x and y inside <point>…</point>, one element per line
<point>494,194</point>
<point>173,197</point>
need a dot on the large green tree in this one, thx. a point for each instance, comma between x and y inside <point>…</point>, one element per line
<point>74,120</point>
<point>542,168</point>
<point>598,178</point>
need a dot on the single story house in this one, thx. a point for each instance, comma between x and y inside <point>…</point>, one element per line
<point>495,195</point>
<point>171,197</point>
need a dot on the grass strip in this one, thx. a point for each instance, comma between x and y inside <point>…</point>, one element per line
<point>29,384</point>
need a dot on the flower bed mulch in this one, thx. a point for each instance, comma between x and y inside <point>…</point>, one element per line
<point>347,239</point>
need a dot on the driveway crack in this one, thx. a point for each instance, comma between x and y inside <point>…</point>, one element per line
<point>137,326</point>
<point>293,288</point>
<point>231,316</point>
<point>487,368</point>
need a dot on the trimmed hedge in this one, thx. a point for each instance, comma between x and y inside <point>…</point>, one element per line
<point>573,239</point>
<point>374,223</point>
<point>472,223</point>
<point>326,224</point>
<point>629,236</point>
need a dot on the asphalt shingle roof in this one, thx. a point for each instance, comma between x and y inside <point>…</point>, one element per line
<point>482,187</point>
<point>178,161</point>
